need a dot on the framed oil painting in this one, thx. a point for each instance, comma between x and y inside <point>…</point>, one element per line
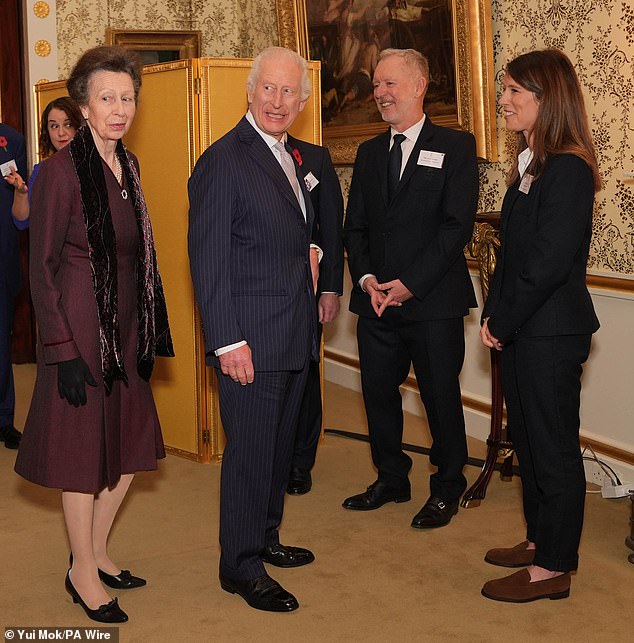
<point>346,36</point>
<point>157,46</point>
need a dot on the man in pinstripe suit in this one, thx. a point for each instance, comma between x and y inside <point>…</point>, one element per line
<point>250,254</point>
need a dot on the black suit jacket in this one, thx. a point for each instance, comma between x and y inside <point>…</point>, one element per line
<point>327,205</point>
<point>248,248</point>
<point>539,285</point>
<point>418,237</point>
<point>10,270</point>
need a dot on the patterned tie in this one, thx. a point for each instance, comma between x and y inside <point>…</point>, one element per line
<point>394,165</point>
<point>289,168</point>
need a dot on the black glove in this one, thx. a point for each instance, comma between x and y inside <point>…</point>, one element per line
<point>71,378</point>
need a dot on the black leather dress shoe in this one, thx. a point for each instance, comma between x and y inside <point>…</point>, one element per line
<point>107,613</point>
<point>10,436</point>
<point>375,496</point>
<point>282,556</point>
<point>262,593</point>
<point>299,482</point>
<point>123,580</point>
<point>435,513</point>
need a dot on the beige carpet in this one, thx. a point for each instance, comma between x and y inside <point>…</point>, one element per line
<point>374,578</point>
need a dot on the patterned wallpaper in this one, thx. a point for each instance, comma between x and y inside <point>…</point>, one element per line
<point>230,28</point>
<point>598,35</point>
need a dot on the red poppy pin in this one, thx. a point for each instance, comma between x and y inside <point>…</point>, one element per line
<point>298,157</point>
<point>4,143</point>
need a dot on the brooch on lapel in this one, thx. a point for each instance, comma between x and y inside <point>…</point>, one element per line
<point>4,143</point>
<point>298,157</point>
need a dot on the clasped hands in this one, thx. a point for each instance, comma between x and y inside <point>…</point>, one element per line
<point>391,293</point>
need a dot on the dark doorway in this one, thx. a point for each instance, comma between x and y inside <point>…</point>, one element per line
<point>12,113</point>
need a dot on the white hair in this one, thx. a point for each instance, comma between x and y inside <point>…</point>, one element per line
<point>275,52</point>
<point>414,59</point>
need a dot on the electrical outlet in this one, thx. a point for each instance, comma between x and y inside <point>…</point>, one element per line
<point>598,476</point>
<point>594,473</point>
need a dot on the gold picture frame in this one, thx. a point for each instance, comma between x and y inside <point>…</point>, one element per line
<point>472,55</point>
<point>157,46</point>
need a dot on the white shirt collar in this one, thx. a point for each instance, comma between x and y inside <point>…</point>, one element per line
<point>411,133</point>
<point>524,159</point>
<point>268,139</point>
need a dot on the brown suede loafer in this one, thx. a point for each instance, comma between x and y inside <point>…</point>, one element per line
<point>517,588</point>
<point>517,556</point>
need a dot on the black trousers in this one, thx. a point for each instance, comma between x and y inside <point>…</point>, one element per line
<point>309,421</point>
<point>387,347</point>
<point>541,378</point>
<point>259,420</point>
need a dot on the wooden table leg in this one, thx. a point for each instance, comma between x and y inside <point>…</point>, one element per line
<point>495,442</point>
<point>629,541</point>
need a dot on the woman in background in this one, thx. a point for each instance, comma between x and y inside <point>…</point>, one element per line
<point>540,315</point>
<point>102,319</point>
<point>60,120</point>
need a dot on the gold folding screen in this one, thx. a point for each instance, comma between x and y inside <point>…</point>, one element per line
<point>185,106</point>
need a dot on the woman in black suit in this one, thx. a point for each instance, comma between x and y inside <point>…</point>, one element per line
<point>540,315</point>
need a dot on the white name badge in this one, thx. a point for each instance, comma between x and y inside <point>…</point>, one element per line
<point>311,181</point>
<point>431,159</point>
<point>526,182</point>
<point>8,166</point>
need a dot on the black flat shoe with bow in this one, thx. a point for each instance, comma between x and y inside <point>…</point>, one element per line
<point>107,613</point>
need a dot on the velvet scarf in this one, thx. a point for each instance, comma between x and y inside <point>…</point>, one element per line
<point>153,336</point>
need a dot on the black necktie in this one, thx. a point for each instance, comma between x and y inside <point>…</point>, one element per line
<point>394,165</point>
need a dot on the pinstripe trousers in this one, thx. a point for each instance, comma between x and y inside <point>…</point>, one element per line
<point>260,421</point>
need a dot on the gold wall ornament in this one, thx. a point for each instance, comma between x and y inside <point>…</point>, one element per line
<point>42,80</point>
<point>41,9</point>
<point>483,247</point>
<point>43,48</point>
<point>155,47</point>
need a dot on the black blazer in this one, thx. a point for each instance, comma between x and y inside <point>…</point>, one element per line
<point>248,249</point>
<point>420,236</point>
<point>328,208</point>
<point>10,270</point>
<point>539,285</point>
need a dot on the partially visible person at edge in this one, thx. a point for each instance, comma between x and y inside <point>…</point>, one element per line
<point>255,275</point>
<point>315,165</point>
<point>12,150</point>
<point>539,314</point>
<point>412,205</point>
<point>102,319</point>
<point>60,120</point>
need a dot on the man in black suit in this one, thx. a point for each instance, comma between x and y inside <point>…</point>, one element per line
<point>250,251</point>
<point>325,195</point>
<point>12,151</point>
<point>410,213</point>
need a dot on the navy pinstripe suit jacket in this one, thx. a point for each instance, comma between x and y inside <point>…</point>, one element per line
<point>248,249</point>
